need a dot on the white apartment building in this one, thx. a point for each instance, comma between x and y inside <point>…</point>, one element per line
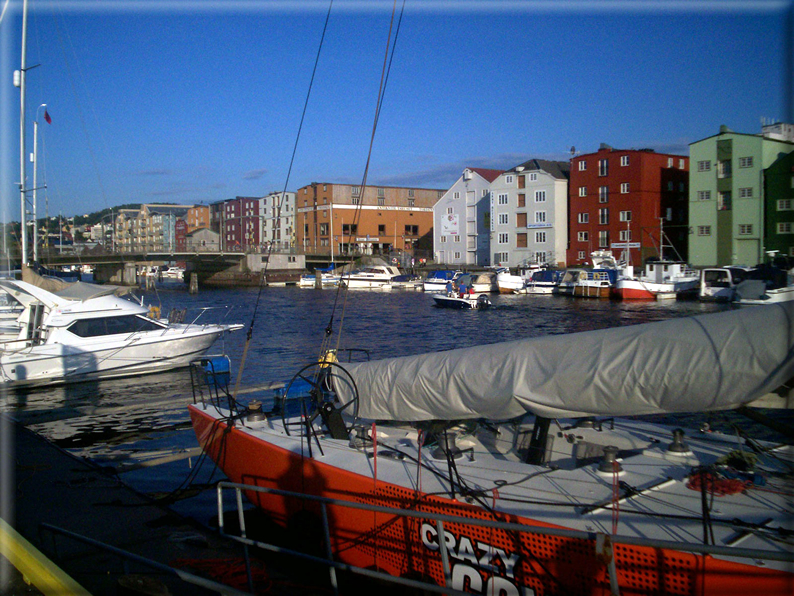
<point>529,214</point>
<point>278,227</point>
<point>460,224</point>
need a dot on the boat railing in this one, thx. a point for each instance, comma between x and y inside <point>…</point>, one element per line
<point>602,542</point>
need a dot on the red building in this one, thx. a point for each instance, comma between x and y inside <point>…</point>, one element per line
<point>180,235</point>
<point>620,200</point>
<point>241,224</point>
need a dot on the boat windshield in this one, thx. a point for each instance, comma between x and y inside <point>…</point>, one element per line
<point>113,326</point>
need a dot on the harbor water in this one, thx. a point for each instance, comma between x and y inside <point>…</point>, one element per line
<point>125,423</point>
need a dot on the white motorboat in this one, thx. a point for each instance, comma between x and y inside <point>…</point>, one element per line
<point>766,284</point>
<point>510,282</point>
<point>370,277</point>
<point>436,281</point>
<point>545,281</point>
<point>309,280</point>
<point>719,283</point>
<point>541,488</point>
<point>462,301</point>
<point>87,332</point>
<point>661,280</point>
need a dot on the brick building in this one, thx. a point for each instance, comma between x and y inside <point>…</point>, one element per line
<point>341,219</point>
<point>620,200</point>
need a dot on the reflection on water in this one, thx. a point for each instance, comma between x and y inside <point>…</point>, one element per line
<point>143,417</point>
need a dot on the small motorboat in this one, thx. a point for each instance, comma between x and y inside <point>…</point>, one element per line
<point>460,301</point>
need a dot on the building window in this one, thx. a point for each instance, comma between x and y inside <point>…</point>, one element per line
<point>540,237</point>
<point>582,191</point>
<point>582,166</point>
<point>785,227</point>
<point>521,240</point>
<point>501,199</point>
<point>540,196</point>
<point>603,167</point>
<point>504,238</point>
<point>503,219</point>
<point>704,195</point>
<point>745,229</point>
<point>745,162</point>
<point>583,236</point>
<point>540,217</point>
<point>724,202</point>
<point>625,235</point>
<point>624,160</point>
<point>521,220</point>
<point>508,179</point>
<point>533,177</point>
<point>625,216</point>
<point>502,257</point>
<point>381,192</point>
<point>455,238</point>
<point>450,211</point>
<point>443,239</point>
<point>411,202</point>
<point>704,230</point>
<point>704,166</point>
<point>457,254</point>
<point>522,200</point>
<point>381,229</point>
<point>624,188</point>
<point>582,255</point>
<point>354,190</point>
<point>669,162</point>
<point>603,216</point>
<point>411,192</point>
<point>745,193</point>
<point>584,218</point>
<point>603,194</point>
<point>785,205</point>
<point>381,201</point>
<point>603,239</point>
<point>413,230</point>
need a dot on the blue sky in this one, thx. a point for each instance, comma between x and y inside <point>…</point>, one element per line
<point>190,102</point>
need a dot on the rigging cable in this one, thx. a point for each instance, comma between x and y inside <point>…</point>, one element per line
<point>280,204</point>
<point>386,70</point>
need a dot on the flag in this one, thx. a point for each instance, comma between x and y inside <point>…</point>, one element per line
<point>47,117</point>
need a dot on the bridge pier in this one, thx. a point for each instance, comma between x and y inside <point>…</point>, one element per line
<point>121,274</point>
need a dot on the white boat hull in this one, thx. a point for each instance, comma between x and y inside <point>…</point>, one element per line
<point>51,364</point>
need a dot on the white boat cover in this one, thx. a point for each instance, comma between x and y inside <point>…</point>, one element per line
<point>694,364</point>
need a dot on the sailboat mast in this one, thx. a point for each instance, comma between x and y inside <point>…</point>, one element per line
<point>22,192</point>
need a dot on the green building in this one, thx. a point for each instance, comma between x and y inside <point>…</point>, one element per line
<point>730,214</point>
<point>779,212</point>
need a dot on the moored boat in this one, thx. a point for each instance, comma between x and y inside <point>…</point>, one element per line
<point>512,282</point>
<point>661,280</point>
<point>719,283</point>
<point>595,505</point>
<point>371,277</point>
<point>436,281</point>
<point>545,281</point>
<point>86,332</point>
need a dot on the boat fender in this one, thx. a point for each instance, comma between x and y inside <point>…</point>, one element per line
<point>154,312</point>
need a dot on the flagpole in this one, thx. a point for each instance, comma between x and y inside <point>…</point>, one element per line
<point>23,219</point>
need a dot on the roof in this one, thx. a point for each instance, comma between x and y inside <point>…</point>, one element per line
<point>558,169</point>
<point>489,175</point>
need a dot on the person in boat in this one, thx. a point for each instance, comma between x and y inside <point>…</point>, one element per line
<point>464,289</point>
<point>450,288</point>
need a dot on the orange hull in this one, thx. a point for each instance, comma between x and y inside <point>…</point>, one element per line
<point>483,560</point>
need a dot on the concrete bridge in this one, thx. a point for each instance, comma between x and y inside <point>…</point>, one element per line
<point>214,268</point>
